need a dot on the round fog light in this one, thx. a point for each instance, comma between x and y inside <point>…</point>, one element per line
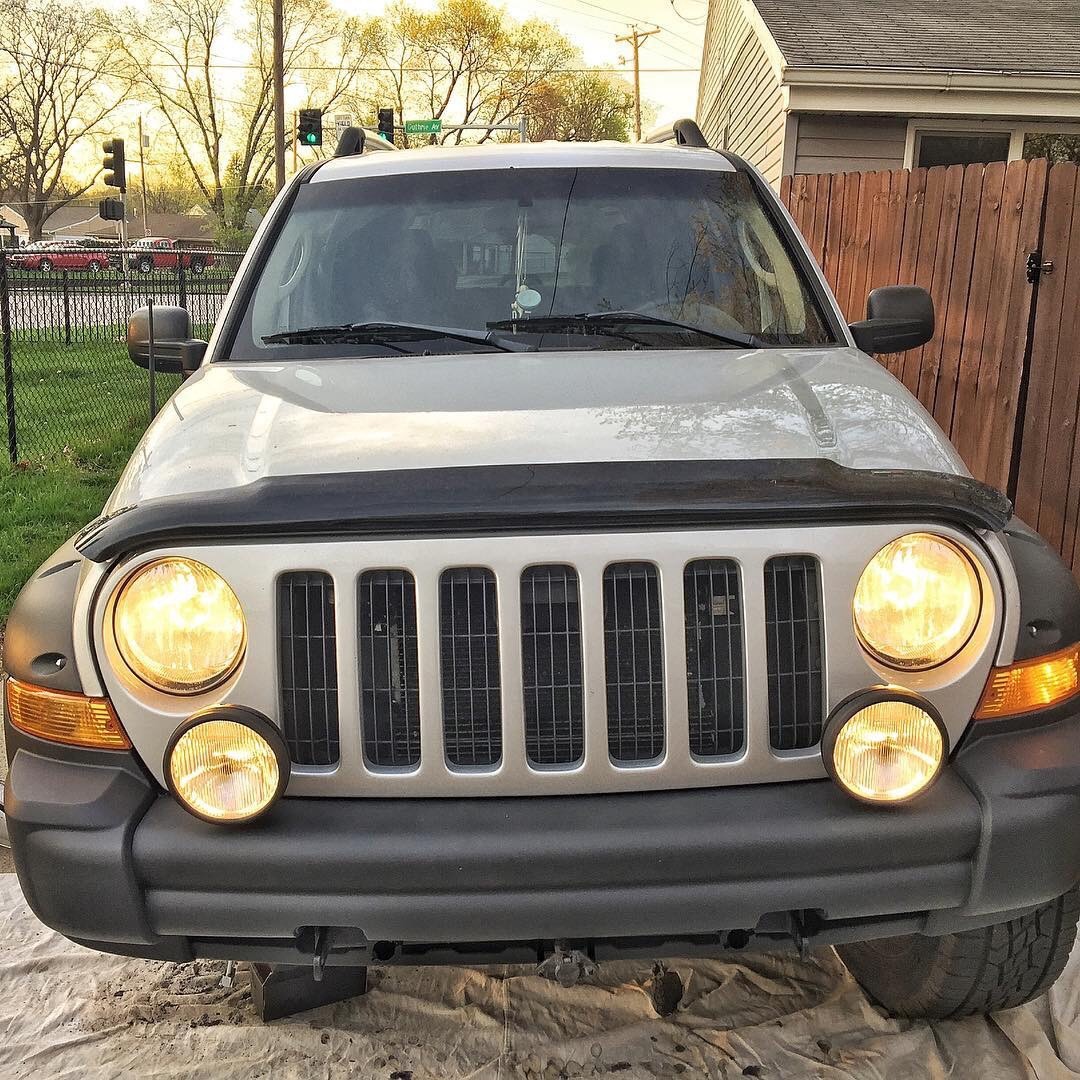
<point>884,746</point>
<point>226,765</point>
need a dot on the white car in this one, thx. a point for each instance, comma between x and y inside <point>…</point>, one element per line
<point>536,566</point>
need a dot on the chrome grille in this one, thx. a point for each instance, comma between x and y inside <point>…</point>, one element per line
<point>795,654</point>
<point>307,660</point>
<point>634,660</point>
<point>714,657</point>
<point>551,673</point>
<point>469,648</point>
<point>389,681</point>
<point>793,583</point>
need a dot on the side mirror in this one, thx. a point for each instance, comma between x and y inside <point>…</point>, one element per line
<point>898,317</point>
<point>175,350</point>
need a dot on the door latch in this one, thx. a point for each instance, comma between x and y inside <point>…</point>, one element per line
<point>1036,267</point>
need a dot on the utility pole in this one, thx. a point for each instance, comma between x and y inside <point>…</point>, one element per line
<point>279,94</point>
<point>142,181</point>
<point>635,39</point>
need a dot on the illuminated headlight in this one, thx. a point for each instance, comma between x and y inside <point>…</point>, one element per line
<point>884,746</point>
<point>178,626</point>
<point>918,602</point>
<point>227,764</point>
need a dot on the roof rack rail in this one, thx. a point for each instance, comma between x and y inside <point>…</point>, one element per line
<point>350,141</point>
<point>687,133</point>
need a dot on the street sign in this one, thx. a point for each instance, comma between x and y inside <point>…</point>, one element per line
<point>342,121</point>
<point>423,127</point>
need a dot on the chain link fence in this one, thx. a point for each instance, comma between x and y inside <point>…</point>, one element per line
<point>69,386</point>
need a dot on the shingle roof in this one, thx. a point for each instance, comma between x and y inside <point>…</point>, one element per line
<point>1026,36</point>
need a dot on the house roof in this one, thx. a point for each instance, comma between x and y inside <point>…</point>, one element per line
<point>928,35</point>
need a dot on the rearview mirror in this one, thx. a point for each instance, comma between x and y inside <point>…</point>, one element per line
<point>898,317</point>
<point>175,350</point>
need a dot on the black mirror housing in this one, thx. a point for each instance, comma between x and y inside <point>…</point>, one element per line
<point>898,317</point>
<point>175,350</point>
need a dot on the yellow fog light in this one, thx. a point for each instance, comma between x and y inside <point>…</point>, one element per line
<point>884,746</point>
<point>917,602</point>
<point>227,765</point>
<point>178,626</point>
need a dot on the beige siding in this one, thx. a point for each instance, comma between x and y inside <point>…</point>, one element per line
<point>845,143</point>
<point>740,104</point>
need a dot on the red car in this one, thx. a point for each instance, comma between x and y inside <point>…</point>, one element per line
<point>61,255</point>
<point>161,253</point>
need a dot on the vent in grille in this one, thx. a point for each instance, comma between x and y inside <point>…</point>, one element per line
<point>389,687</point>
<point>308,665</point>
<point>633,655</point>
<point>551,665</point>
<point>714,657</point>
<point>469,650</point>
<point>793,640</point>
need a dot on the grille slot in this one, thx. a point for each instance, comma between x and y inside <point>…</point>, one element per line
<point>551,665</point>
<point>794,647</point>
<point>308,663</point>
<point>634,661</point>
<point>714,657</point>
<point>469,652</point>
<point>389,681</point>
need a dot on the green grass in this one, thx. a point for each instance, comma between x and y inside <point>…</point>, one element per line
<point>79,412</point>
<point>44,504</point>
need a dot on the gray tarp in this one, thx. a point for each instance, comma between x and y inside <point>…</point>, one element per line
<point>69,1012</point>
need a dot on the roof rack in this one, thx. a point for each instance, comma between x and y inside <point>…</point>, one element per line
<point>350,141</point>
<point>687,133</point>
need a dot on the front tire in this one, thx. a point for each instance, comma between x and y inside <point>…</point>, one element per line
<point>971,972</point>
<point>145,265</point>
<point>46,265</point>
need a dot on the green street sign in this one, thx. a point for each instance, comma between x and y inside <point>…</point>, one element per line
<point>423,127</point>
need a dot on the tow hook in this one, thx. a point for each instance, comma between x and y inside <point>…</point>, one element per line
<point>566,966</point>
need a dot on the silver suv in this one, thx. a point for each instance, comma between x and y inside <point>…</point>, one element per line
<point>536,566</point>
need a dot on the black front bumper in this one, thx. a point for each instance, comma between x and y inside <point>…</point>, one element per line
<point>106,858</point>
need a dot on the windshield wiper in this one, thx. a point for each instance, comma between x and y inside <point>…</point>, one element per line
<point>379,333</point>
<point>609,321</point>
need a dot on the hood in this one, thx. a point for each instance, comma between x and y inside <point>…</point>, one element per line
<point>237,422</point>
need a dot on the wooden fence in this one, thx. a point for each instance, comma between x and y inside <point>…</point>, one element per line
<point>998,248</point>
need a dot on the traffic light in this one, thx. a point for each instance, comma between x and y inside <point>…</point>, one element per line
<point>386,124</point>
<point>110,210</point>
<point>309,128</point>
<point>114,164</point>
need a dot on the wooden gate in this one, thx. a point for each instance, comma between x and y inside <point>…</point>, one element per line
<point>998,248</point>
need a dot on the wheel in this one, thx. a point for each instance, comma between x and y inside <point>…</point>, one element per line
<point>968,973</point>
<point>94,266</point>
<point>45,264</point>
<point>198,266</point>
<point>145,265</point>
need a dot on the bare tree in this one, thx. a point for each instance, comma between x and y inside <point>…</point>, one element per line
<point>224,128</point>
<point>59,80</point>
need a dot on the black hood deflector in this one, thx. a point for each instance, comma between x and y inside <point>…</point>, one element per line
<point>502,499</point>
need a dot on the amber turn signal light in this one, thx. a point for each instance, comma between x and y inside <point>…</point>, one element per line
<point>1031,685</point>
<point>63,717</point>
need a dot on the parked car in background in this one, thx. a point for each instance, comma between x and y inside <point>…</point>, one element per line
<point>161,253</point>
<point>61,255</point>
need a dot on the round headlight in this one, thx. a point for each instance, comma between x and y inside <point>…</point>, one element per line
<point>226,765</point>
<point>917,602</point>
<point>179,626</point>
<point>884,748</point>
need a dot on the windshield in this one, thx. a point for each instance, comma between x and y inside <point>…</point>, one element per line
<point>527,259</point>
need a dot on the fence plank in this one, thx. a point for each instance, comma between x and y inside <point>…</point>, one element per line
<point>940,282</point>
<point>955,308</point>
<point>909,246</point>
<point>1060,203</point>
<point>1063,249</point>
<point>965,421</point>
